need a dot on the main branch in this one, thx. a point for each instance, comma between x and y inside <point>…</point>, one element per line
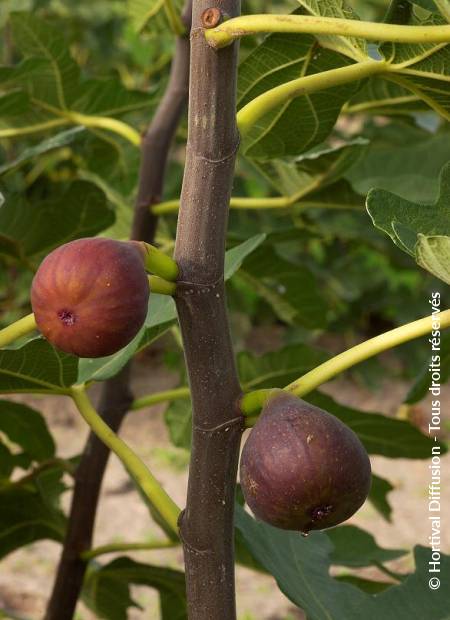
<point>206,526</point>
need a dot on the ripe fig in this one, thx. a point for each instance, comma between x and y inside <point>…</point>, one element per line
<point>90,296</point>
<point>302,468</point>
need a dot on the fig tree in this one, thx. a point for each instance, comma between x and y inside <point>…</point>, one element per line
<point>90,296</point>
<point>302,468</point>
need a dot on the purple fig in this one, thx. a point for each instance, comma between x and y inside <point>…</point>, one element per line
<point>90,296</point>
<point>302,468</point>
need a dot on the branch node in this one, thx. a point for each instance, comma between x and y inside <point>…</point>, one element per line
<point>212,17</point>
<point>225,427</point>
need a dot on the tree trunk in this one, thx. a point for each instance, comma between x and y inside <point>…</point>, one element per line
<point>206,525</point>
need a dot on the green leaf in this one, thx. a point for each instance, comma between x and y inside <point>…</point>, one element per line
<point>81,211</point>
<point>366,585</point>
<point>36,367</point>
<point>278,368</point>
<point>355,548</point>
<point>27,428</point>
<point>291,289</point>
<point>379,434</point>
<point>378,496</point>
<point>106,589</point>
<point>423,69</point>
<point>433,254</point>
<point>301,569</point>
<point>7,462</point>
<point>178,419</point>
<point>141,12</point>
<point>349,46</point>
<point>408,223</point>
<point>401,159</point>
<point>58,78</point>
<point>378,96</point>
<point>55,142</point>
<point>26,517</point>
<point>52,87</point>
<point>300,566</point>
<point>300,123</point>
<point>160,317</point>
<point>315,170</point>
<point>235,257</point>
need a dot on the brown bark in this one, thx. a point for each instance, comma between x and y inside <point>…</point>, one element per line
<point>206,525</point>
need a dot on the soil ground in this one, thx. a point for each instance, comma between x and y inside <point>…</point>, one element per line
<point>26,576</point>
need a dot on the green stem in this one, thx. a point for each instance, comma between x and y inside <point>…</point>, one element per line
<point>16,330</point>
<point>233,29</point>
<point>145,480</point>
<point>159,263</point>
<point>264,103</point>
<point>278,202</point>
<point>119,547</point>
<point>253,401</point>
<point>173,17</point>
<point>99,122</point>
<point>160,397</point>
<point>111,124</point>
<point>23,131</point>
<point>161,286</point>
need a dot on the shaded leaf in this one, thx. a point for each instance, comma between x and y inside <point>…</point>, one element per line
<point>235,256</point>
<point>55,142</point>
<point>407,223</point>
<point>316,169</point>
<point>301,569</point>
<point>277,368</point>
<point>26,517</point>
<point>379,434</point>
<point>419,389</point>
<point>160,316</point>
<point>27,428</point>
<point>401,159</point>
<point>81,211</point>
<point>36,367</point>
<point>106,589</point>
<point>178,419</point>
<point>378,496</point>
<point>355,548</point>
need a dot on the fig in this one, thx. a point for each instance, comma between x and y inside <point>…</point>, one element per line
<point>302,468</point>
<point>90,296</point>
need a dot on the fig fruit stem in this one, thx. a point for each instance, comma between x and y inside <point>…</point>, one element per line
<point>161,286</point>
<point>228,31</point>
<point>252,402</point>
<point>16,330</point>
<point>159,263</point>
<point>121,547</point>
<point>147,483</point>
<point>160,397</point>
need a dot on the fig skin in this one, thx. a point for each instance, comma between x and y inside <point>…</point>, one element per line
<point>90,296</point>
<point>302,468</point>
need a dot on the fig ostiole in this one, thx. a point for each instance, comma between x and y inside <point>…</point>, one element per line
<point>302,468</point>
<point>90,296</point>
